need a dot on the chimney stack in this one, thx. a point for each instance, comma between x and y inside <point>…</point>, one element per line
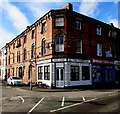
<point>68,6</point>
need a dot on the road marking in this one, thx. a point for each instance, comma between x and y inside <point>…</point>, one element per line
<point>71,105</point>
<point>83,98</point>
<point>63,101</point>
<point>8,87</point>
<point>35,106</point>
<point>21,99</point>
<point>112,95</point>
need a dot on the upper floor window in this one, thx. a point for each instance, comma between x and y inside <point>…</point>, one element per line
<point>79,46</point>
<point>18,43</point>
<point>33,51</point>
<point>78,25</point>
<point>24,54</point>
<point>13,45</point>
<point>43,46</point>
<point>9,60</point>
<point>13,57</point>
<point>33,34</point>
<point>18,56</point>
<point>25,39</point>
<point>114,34</point>
<point>59,22</point>
<point>59,43</point>
<point>98,30</point>
<point>43,27</point>
<point>99,49</point>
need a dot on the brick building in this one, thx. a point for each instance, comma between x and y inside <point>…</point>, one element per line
<point>64,48</point>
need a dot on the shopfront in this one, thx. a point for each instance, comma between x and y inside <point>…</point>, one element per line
<point>62,72</point>
<point>103,71</point>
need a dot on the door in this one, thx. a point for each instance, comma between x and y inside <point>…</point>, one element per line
<point>60,77</point>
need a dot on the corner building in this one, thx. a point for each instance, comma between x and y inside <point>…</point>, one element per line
<point>64,48</point>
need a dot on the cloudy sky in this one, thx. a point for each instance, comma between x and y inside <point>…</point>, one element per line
<point>15,15</point>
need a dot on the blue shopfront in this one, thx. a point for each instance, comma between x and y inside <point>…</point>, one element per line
<point>103,71</point>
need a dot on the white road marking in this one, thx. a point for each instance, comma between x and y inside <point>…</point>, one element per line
<point>83,98</point>
<point>21,99</point>
<point>63,101</point>
<point>35,106</point>
<point>71,105</point>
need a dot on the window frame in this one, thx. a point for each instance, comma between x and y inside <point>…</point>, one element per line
<point>73,75</point>
<point>40,74</point>
<point>33,50</point>
<point>80,47</point>
<point>43,46</point>
<point>59,43</point>
<point>99,31</point>
<point>47,74</point>
<point>88,78</point>
<point>33,33</point>
<point>78,25</point>
<point>58,22</point>
<point>98,49</point>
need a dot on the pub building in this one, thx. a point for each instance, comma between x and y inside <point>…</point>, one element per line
<point>65,48</point>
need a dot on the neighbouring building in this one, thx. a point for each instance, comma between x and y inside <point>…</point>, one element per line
<point>65,48</point>
<point>3,63</point>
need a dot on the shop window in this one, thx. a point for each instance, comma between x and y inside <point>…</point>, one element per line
<point>33,34</point>
<point>96,74</point>
<point>33,51</point>
<point>59,43</point>
<point>109,75</point>
<point>99,49</point>
<point>59,22</point>
<point>46,72</point>
<point>78,25</point>
<point>40,73</point>
<point>79,46</point>
<point>43,46</point>
<point>74,73</point>
<point>85,73</point>
<point>98,30</point>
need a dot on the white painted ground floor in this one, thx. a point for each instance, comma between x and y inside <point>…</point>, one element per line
<point>64,72</point>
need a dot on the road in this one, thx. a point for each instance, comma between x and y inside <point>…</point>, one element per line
<point>26,101</point>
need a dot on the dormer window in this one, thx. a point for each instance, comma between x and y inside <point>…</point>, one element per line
<point>98,30</point>
<point>59,22</point>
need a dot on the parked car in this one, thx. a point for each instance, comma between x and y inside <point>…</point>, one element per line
<point>14,80</point>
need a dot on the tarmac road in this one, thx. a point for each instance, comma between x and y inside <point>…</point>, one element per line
<point>15,99</point>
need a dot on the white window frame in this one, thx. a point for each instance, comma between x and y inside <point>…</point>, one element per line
<point>59,47</point>
<point>78,24</point>
<point>98,30</point>
<point>59,21</point>
<point>79,48</point>
<point>99,49</point>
